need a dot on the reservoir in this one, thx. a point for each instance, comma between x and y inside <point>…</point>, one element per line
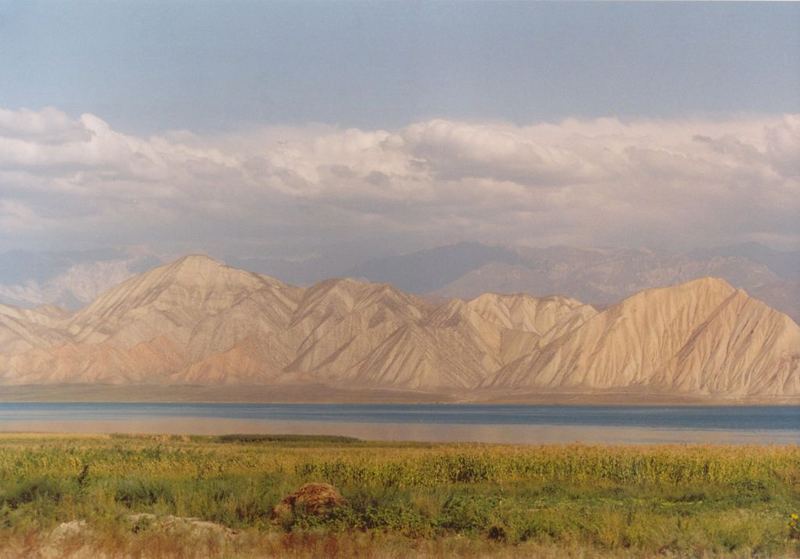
<point>531,424</point>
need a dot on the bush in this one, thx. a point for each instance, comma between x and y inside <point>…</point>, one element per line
<point>43,489</point>
<point>137,492</point>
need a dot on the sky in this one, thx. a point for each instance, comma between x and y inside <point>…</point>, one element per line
<point>253,128</point>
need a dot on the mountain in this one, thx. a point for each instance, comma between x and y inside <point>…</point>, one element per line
<point>197,321</point>
<point>598,276</point>
<point>67,279</point>
<point>703,337</point>
<point>604,276</point>
<point>783,295</point>
<point>785,264</point>
<point>156,324</point>
<point>428,270</point>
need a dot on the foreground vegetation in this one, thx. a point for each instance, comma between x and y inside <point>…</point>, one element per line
<point>436,500</point>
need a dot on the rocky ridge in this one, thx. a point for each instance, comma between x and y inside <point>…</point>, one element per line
<point>198,321</point>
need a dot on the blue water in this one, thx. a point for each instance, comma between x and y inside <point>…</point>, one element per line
<point>697,418</point>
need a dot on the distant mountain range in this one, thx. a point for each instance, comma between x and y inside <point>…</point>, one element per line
<point>196,321</point>
<point>68,279</point>
<point>598,276</point>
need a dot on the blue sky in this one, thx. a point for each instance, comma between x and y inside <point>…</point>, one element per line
<point>207,66</point>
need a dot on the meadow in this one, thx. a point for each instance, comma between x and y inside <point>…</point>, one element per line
<point>84,496</point>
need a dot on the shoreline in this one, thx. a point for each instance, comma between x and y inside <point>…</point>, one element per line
<point>325,394</point>
<point>543,434</point>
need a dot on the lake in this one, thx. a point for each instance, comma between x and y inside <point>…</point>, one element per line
<point>423,422</point>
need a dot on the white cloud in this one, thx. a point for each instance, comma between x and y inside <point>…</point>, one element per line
<point>671,182</point>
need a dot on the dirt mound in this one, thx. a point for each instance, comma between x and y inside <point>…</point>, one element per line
<point>317,499</point>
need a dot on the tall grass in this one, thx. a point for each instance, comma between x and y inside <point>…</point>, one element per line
<point>685,500</point>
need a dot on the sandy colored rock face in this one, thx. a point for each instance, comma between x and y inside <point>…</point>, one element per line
<point>200,322</point>
<point>701,337</point>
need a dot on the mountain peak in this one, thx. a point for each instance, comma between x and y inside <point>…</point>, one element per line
<point>206,273</point>
<point>710,282</point>
<point>192,286</point>
<point>195,263</point>
<point>701,288</point>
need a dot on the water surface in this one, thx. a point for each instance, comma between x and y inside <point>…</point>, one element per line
<point>434,422</point>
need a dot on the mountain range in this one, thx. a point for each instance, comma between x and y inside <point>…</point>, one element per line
<point>598,276</point>
<point>196,321</point>
<point>69,279</point>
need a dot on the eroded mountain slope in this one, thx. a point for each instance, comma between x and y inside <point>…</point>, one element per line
<point>198,321</point>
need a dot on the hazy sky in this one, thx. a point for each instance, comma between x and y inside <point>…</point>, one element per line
<point>280,127</point>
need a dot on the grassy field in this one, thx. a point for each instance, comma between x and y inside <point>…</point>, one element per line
<point>80,496</point>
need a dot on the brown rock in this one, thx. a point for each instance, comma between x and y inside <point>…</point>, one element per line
<point>318,499</point>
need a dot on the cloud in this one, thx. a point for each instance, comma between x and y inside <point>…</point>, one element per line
<point>673,182</point>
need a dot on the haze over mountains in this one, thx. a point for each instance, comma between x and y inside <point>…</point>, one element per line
<point>68,279</point>
<point>596,276</point>
<point>200,322</point>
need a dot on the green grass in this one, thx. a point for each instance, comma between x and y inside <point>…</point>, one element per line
<point>439,500</point>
